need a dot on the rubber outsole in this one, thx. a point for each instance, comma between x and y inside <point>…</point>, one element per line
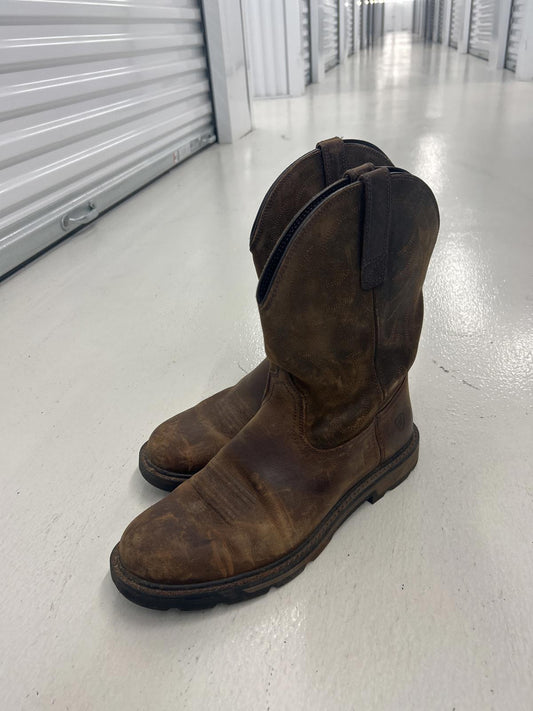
<point>258,582</point>
<point>162,478</point>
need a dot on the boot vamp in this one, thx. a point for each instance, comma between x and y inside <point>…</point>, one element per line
<point>256,501</point>
<point>187,441</point>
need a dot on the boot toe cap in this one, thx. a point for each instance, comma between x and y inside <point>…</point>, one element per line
<point>167,546</point>
<point>185,443</point>
<point>169,449</point>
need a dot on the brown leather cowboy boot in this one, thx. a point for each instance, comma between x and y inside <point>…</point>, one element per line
<point>185,443</point>
<point>340,301</point>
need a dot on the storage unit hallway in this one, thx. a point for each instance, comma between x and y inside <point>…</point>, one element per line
<point>421,601</point>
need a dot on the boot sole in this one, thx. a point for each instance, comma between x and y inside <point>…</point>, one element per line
<point>162,478</point>
<point>258,582</point>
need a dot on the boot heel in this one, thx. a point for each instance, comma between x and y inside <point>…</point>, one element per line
<point>399,470</point>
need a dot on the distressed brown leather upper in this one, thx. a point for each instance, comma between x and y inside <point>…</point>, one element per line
<point>187,441</point>
<point>299,183</point>
<point>351,346</point>
<point>337,403</point>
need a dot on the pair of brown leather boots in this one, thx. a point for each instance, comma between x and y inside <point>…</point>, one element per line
<point>270,468</point>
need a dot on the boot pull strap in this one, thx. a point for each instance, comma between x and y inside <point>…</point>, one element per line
<point>334,159</point>
<point>354,174</point>
<point>377,224</point>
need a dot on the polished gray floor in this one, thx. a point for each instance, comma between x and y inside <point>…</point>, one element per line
<point>423,601</point>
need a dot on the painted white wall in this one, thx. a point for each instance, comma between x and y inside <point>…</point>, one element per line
<point>398,15</point>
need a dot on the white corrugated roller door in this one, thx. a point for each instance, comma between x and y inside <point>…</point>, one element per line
<point>97,98</point>
<point>480,36</point>
<point>516,22</point>
<point>378,15</point>
<point>330,32</point>
<point>361,38</point>
<point>456,22</point>
<point>364,11</point>
<point>439,21</point>
<point>349,26</point>
<point>429,19</point>
<point>266,34</point>
<point>306,39</point>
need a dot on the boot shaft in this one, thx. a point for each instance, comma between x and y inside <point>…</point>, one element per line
<point>340,298</point>
<point>301,182</point>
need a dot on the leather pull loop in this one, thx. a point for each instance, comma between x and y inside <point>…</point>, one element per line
<point>376,230</point>
<point>354,174</point>
<point>333,158</point>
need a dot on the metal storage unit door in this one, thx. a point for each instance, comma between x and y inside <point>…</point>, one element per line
<point>516,22</point>
<point>349,26</point>
<point>417,18</point>
<point>429,20</point>
<point>378,18</point>
<point>306,39</point>
<point>362,15</point>
<point>456,20</point>
<point>330,33</point>
<point>364,25</point>
<point>481,28</point>
<point>440,20</point>
<point>96,100</point>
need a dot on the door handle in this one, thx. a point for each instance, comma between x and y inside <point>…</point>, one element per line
<point>70,220</point>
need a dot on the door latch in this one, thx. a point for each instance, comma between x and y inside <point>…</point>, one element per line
<point>75,218</point>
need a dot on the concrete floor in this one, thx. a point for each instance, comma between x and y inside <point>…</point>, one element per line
<point>421,602</point>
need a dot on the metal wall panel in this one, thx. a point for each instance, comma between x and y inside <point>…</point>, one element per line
<point>417,17</point>
<point>267,42</point>
<point>349,26</point>
<point>366,25</point>
<point>440,20</point>
<point>429,19</point>
<point>362,25</point>
<point>456,22</point>
<point>480,36</point>
<point>378,20</point>
<point>95,100</point>
<point>371,23</point>
<point>516,23</point>
<point>330,33</point>
<point>306,39</point>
